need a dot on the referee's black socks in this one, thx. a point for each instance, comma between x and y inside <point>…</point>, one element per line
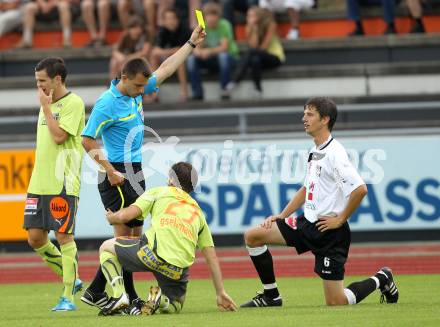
<point>357,291</point>
<point>262,260</point>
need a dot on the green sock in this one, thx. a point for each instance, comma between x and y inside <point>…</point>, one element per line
<point>70,269</point>
<point>112,271</point>
<point>52,256</point>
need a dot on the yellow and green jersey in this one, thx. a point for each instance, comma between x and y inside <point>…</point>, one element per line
<point>178,225</point>
<point>59,165</point>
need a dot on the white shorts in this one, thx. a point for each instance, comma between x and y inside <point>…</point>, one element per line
<point>282,5</point>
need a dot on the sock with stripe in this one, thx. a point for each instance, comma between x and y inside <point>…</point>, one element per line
<point>52,257</point>
<point>69,256</point>
<point>113,272</point>
<point>357,291</point>
<point>263,263</point>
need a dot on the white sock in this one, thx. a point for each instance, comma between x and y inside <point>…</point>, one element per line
<point>257,250</point>
<point>376,280</point>
<point>270,286</point>
<point>350,296</point>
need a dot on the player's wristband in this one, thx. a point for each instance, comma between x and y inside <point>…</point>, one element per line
<point>191,44</point>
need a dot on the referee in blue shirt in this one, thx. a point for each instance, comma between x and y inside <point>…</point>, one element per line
<point>118,118</point>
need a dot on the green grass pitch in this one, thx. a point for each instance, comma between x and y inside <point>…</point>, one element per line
<point>419,305</point>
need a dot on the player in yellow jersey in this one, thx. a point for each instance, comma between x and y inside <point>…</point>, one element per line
<point>167,248</point>
<point>53,192</point>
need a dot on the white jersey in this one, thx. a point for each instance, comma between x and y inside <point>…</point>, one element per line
<point>329,181</point>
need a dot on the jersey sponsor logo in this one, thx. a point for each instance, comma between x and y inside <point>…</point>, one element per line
<point>150,259</point>
<point>31,204</point>
<point>291,222</point>
<point>311,189</point>
<point>58,207</point>
<point>327,272</point>
<point>318,171</point>
<point>55,115</point>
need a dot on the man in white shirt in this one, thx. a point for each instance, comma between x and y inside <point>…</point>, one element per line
<point>331,192</point>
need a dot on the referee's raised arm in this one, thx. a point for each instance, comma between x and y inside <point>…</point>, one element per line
<point>170,65</point>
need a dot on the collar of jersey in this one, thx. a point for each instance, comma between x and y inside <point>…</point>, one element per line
<point>322,146</point>
<point>114,90</point>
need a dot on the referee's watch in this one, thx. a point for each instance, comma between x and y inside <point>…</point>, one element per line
<point>191,44</point>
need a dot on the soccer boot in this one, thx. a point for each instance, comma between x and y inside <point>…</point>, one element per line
<point>78,286</point>
<point>115,305</point>
<point>389,291</point>
<point>95,299</point>
<point>261,300</point>
<point>153,302</point>
<point>64,305</point>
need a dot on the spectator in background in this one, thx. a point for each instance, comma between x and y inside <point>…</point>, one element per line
<point>11,16</point>
<point>416,11</point>
<point>230,7</point>
<point>389,9</point>
<point>48,11</point>
<point>150,10</point>
<point>265,49</point>
<point>171,36</point>
<point>133,43</point>
<point>292,7</point>
<point>218,54</point>
<point>97,35</point>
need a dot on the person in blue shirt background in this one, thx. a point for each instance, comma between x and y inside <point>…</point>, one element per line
<point>118,118</point>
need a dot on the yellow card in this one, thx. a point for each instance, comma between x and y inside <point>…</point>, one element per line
<point>200,19</point>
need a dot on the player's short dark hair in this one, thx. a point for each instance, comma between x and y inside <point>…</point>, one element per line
<point>326,107</point>
<point>54,66</point>
<point>186,176</point>
<point>136,66</point>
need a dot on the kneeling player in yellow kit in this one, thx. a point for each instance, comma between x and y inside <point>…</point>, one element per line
<point>167,248</point>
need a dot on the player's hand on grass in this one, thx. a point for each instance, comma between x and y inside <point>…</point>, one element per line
<point>115,178</point>
<point>225,303</point>
<point>329,222</point>
<point>269,220</point>
<point>198,35</point>
<point>45,99</point>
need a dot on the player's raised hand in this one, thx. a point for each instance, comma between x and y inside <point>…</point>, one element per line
<point>115,178</point>
<point>225,303</point>
<point>45,99</point>
<point>198,35</point>
<point>269,220</point>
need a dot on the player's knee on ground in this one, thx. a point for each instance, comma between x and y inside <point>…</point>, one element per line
<point>336,300</point>
<point>173,306</point>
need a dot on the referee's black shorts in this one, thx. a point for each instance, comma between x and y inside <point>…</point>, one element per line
<point>330,247</point>
<point>118,197</point>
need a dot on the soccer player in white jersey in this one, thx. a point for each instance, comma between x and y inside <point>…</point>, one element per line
<point>331,192</point>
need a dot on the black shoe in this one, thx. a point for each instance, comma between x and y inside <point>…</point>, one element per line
<point>391,29</point>
<point>95,299</point>
<point>358,31</point>
<point>115,305</point>
<point>139,303</point>
<point>418,28</point>
<point>390,293</point>
<point>131,310</point>
<point>262,300</point>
